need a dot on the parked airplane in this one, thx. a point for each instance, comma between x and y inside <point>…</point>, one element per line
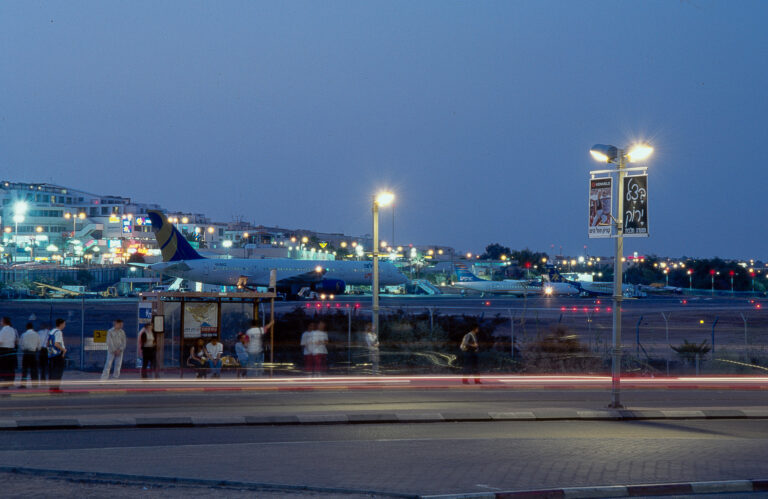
<point>182,261</point>
<point>591,288</point>
<point>468,280</point>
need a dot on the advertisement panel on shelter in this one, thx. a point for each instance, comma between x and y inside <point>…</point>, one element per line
<point>201,320</point>
<point>600,202</point>
<point>636,206</point>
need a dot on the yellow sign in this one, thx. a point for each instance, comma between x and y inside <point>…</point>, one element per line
<point>99,336</point>
<point>323,244</point>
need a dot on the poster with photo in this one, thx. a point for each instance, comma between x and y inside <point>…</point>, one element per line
<point>600,203</point>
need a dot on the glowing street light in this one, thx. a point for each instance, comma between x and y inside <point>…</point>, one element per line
<point>383,198</point>
<point>612,154</point>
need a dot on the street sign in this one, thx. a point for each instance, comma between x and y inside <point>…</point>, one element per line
<point>99,336</point>
<point>600,203</point>
<point>636,206</point>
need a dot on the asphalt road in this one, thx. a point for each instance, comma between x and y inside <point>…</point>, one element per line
<point>207,400</point>
<point>415,458</point>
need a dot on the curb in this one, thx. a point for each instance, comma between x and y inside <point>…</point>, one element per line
<point>165,481</point>
<point>148,421</point>
<point>661,489</point>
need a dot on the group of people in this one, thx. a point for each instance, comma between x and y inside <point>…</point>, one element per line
<point>43,354</point>
<point>249,350</point>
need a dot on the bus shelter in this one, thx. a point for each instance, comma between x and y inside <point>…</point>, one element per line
<point>179,319</point>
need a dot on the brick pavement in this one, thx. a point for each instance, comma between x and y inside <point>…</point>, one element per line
<point>435,466</point>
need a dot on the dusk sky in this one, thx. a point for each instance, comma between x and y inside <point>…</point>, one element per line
<point>479,115</point>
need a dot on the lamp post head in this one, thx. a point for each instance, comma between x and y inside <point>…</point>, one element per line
<point>639,152</point>
<point>604,153</point>
<point>384,198</point>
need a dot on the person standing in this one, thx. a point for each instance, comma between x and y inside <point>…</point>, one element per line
<point>115,348</point>
<point>30,347</point>
<point>372,344</point>
<point>469,347</point>
<point>57,353</point>
<point>255,336</point>
<point>9,340</point>
<point>148,350</point>
<point>306,347</point>
<point>319,341</point>
<point>42,357</point>
<point>215,350</point>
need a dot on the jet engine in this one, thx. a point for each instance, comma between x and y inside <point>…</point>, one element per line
<point>335,286</point>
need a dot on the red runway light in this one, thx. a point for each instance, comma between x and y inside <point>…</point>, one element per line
<point>597,309</point>
<point>487,304</point>
<point>357,305</point>
<point>562,309</point>
<point>757,306</point>
<point>574,309</point>
<point>608,309</point>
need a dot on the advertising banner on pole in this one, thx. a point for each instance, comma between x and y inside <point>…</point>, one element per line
<point>636,206</point>
<point>600,202</point>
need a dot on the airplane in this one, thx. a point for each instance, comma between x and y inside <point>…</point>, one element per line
<point>468,280</point>
<point>590,288</point>
<point>180,260</point>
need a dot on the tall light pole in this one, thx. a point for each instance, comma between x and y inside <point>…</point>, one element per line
<point>381,199</point>
<point>612,154</point>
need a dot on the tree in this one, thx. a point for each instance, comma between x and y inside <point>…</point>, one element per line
<point>494,252</point>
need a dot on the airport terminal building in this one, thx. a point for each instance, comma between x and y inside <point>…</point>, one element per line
<point>44,222</point>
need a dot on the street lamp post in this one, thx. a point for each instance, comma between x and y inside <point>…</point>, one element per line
<point>381,199</point>
<point>690,280</point>
<point>612,154</point>
<point>712,274</point>
<point>731,273</point>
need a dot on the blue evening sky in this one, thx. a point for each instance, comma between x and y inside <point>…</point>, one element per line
<point>478,114</point>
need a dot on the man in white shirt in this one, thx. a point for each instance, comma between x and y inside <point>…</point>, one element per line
<point>318,342</point>
<point>255,347</point>
<point>57,353</point>
<point>215,351</point>
<point>115,349</point>
<point>9,339</point>
<point>30,347</point>
<point>307,348</point>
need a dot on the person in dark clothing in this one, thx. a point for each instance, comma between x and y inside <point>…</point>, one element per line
<point>469,347</point>
<point>148,350</point>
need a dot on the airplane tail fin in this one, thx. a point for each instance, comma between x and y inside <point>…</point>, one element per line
<point>173,245</point>
<point>553,275</point>
<point>464,275</point>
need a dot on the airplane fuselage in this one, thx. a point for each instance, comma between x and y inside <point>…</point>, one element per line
<point>256,272</point>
